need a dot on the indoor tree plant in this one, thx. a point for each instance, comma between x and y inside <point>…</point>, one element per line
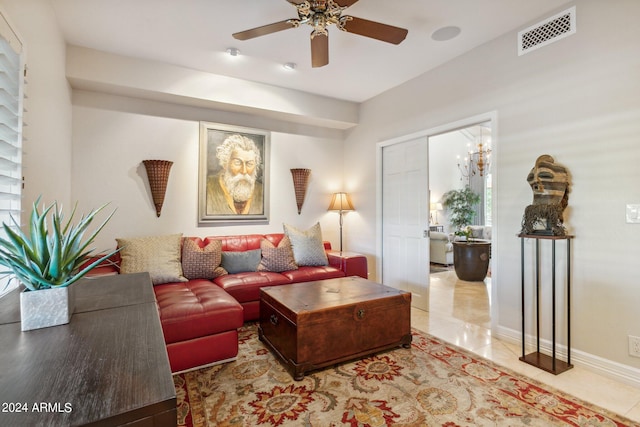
<point>460,204</point>
<point>46,261</point>
<point>470,258</point>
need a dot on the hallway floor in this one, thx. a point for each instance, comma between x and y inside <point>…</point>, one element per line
<point>460,314</point>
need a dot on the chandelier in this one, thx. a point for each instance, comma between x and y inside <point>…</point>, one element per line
<point>476,161</point>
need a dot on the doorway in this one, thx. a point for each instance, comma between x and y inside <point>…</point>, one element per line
<point>459,158</point>
<point>426,194</point>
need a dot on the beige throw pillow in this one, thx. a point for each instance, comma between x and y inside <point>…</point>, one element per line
<point>158,255</point>
<point>307,245</point>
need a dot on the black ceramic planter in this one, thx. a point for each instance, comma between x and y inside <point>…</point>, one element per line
<point>471,260</point>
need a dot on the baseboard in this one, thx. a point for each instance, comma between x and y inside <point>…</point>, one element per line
<point>607,368</point>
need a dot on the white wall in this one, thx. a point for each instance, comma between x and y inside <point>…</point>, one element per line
<point>47,159</point>
<point>578,100</point>
<point>112,135</point>
<point>444,174</point>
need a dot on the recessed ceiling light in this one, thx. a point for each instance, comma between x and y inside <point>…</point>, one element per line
<point>290,66</point>
<point>233,51</point>
<point>446,33</point>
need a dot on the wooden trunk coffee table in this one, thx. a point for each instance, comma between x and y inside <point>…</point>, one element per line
<point>316,324</point>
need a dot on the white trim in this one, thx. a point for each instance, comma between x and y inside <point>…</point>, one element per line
<point>607,368</point>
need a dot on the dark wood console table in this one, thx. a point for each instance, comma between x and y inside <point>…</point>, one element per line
<point>107,367</point>
<point>543,361</point>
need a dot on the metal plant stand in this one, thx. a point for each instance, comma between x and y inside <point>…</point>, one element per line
<point>543,361</point>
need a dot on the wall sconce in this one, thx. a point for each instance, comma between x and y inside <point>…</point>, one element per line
<point>300,183</point>
<point>158,175</point>
<point>341,202</point>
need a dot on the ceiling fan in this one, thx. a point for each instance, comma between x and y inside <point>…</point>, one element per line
<point>319,14</point>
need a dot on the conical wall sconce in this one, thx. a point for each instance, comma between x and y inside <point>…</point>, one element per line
<point>300,183</point>
<point>158,174</point>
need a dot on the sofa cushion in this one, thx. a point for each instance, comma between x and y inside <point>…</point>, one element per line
<point>310,273</point>
<point>438,235</point>
<point>307,245</point>
<point>482,232</point>
<point>201,263</point>
<point>277,258</point>
<point>241,262</point>
<point>245,287</point>
<point>157,255</point>
<point>195,309</point>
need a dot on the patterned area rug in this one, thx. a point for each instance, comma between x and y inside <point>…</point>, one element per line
<point>431,384</point>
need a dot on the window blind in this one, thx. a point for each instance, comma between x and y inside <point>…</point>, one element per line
<point>11,123</point>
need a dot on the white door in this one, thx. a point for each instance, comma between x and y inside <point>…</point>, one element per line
<point>405,219</point>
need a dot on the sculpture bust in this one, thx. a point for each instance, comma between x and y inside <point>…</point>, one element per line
<point>549,182</point>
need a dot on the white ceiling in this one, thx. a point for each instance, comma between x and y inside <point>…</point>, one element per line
<point>196,33</point>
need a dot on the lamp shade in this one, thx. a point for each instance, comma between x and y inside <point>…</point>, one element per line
<point>341,202</point>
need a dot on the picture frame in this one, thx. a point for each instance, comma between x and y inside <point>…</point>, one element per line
<point>233,175</point>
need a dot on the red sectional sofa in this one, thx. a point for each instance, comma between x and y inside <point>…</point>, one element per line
<point>200,317</point>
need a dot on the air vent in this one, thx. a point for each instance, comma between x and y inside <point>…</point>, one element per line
<point>548,31</point>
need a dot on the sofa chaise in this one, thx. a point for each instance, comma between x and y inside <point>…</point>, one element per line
<point>200,316</point>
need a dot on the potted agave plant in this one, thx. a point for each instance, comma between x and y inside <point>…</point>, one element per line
<point>47,261</point>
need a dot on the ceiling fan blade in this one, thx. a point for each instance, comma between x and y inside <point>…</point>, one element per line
<point>266,29</point>
<point>375,30</point>
<point>345,3</point>
<point>319,50</point>
<point>298,1</point>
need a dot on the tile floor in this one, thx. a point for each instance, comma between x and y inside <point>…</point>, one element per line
<point>459,314</point>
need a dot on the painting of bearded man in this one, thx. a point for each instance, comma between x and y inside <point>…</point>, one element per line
<point>235,186</point>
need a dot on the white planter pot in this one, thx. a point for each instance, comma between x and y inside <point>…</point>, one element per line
<point>46,307</point>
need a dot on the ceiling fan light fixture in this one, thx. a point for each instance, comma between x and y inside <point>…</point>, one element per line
<point>232,51</point>
<point>319,15</point>
<point>289,66</point>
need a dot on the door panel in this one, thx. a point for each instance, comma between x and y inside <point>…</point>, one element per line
<point>405,213</point>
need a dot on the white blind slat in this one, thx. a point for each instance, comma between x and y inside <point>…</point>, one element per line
<point>9,135</point>
<point>7,149</point>
<point>10,180</point>
<point>9,100</point>
<point>9,82</point>
<point>8,165</point>
<point>8,58</point>
<point>8,118</point>
<point>9,196</point>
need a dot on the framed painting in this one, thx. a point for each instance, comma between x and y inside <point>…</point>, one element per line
<point>233,171</point>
